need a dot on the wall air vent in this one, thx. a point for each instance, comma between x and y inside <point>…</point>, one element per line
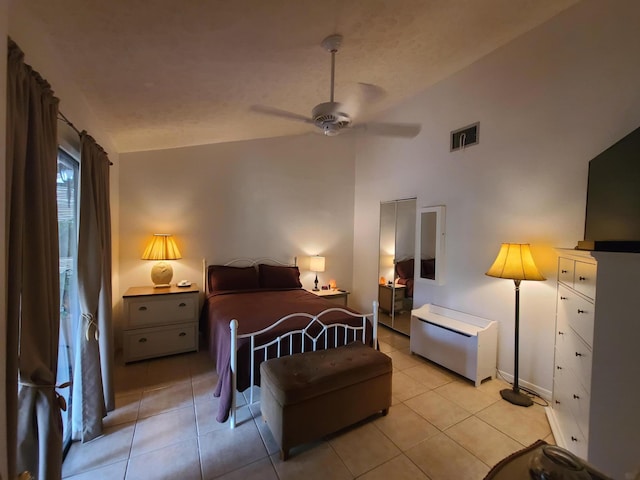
<point>465,137</point>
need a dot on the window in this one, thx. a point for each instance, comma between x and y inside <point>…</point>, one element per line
<point>67,195</point>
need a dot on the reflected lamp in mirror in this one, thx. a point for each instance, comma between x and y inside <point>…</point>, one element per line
<point>316,264</point>
<point>161,247</point>
<point>515,262</point>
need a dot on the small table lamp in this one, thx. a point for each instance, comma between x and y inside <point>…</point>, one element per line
<point>161,247</point>
<point>515,262</point>
<point>316,264</point>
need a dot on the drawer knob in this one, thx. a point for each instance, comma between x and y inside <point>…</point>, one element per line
<point>562,298</point>
<point>578,354</point>
<point>560,333</point>
<point>558,367</point>
<point>182,304</point>
<point>142,340</point>
<point>573,439</point>
<point>558,402</point>
<point>564,271</point>
<point>582,279</point>
<point>182,334</point>
<point>581,311</point>
<point>142,309</point>
<point>577,397</point>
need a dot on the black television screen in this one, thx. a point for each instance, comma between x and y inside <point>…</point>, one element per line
<point>612,220</point>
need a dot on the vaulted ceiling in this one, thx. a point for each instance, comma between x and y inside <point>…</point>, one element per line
<point>167,73</point>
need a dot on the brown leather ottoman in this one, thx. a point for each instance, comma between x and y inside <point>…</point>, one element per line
<point>308,395</point>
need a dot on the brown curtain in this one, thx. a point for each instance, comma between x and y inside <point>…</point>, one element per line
<point>93,366</point>
<point>33,301</point>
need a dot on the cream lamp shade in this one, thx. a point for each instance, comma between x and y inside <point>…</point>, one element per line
<point>161,247</point>
<point>515,262</point>
<point>316,264</point>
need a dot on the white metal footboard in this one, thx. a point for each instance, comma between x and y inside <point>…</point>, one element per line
<point>339,331</point>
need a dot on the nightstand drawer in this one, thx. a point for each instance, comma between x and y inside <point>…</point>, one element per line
<point>159,310</point>
<point>144,343</point>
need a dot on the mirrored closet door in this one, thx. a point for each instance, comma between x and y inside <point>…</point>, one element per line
<point>396,263</point>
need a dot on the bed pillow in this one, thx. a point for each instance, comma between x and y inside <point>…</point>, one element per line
<point>272,276</point>
<point>404,268</point>
<point>222,277</point>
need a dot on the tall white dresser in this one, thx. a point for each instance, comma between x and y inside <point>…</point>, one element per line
<point>595,410</point>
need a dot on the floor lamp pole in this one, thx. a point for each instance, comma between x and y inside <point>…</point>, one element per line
<point>514,395</point>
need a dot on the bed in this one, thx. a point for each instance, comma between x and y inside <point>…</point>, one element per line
<point>260,311</point>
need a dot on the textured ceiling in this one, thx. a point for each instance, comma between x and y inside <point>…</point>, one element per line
<point>167,73</point>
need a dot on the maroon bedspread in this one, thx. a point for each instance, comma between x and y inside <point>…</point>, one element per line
<point>255,310</point>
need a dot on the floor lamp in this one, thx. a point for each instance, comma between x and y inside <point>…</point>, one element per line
<point>515,262</point>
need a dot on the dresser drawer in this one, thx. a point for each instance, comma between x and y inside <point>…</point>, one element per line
<point>144,343</point>
<point>575,356</point>
<point>576,312</point>
<point>579,401</point>
<point>161,309</point>
<point>584,279</point>
<point>565,271</point>
<point>574,439</point>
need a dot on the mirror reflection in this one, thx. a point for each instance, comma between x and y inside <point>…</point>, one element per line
<point>396,263</point>
<point>431,244</point>
<point>428,222</point>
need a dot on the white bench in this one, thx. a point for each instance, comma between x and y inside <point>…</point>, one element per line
<point>463,343</point>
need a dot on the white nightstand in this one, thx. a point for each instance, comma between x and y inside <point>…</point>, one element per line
<point>160,321</point>
<point>335,296</point>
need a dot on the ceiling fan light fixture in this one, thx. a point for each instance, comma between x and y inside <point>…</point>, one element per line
<point>331,130</point>
<point>328,117</point>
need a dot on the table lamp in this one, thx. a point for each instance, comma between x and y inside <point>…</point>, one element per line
<point>161,247</point>
<point>316,264</point>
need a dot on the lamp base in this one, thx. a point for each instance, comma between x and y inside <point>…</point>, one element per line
<point>515,397</point>
<point>161,275</point>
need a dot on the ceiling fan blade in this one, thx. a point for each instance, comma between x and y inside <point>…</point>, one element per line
<point>276,112</point>
<point>403,130</point>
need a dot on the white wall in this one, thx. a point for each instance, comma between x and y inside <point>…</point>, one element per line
<point>547,103</point>
<point>4,24</point>
<point>280,198</point>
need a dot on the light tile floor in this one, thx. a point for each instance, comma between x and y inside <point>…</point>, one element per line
<point>439,427</point>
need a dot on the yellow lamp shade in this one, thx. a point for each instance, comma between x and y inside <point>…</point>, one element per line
<point>515,262</point>
<point>161,247</point>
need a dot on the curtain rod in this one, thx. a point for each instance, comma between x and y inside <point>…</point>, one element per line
<point>62,117</point>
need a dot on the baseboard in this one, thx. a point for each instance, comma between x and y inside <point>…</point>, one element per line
<point>542,392</point>
<point>555,427</point>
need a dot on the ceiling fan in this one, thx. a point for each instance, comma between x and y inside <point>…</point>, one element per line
<point>332,117</point>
